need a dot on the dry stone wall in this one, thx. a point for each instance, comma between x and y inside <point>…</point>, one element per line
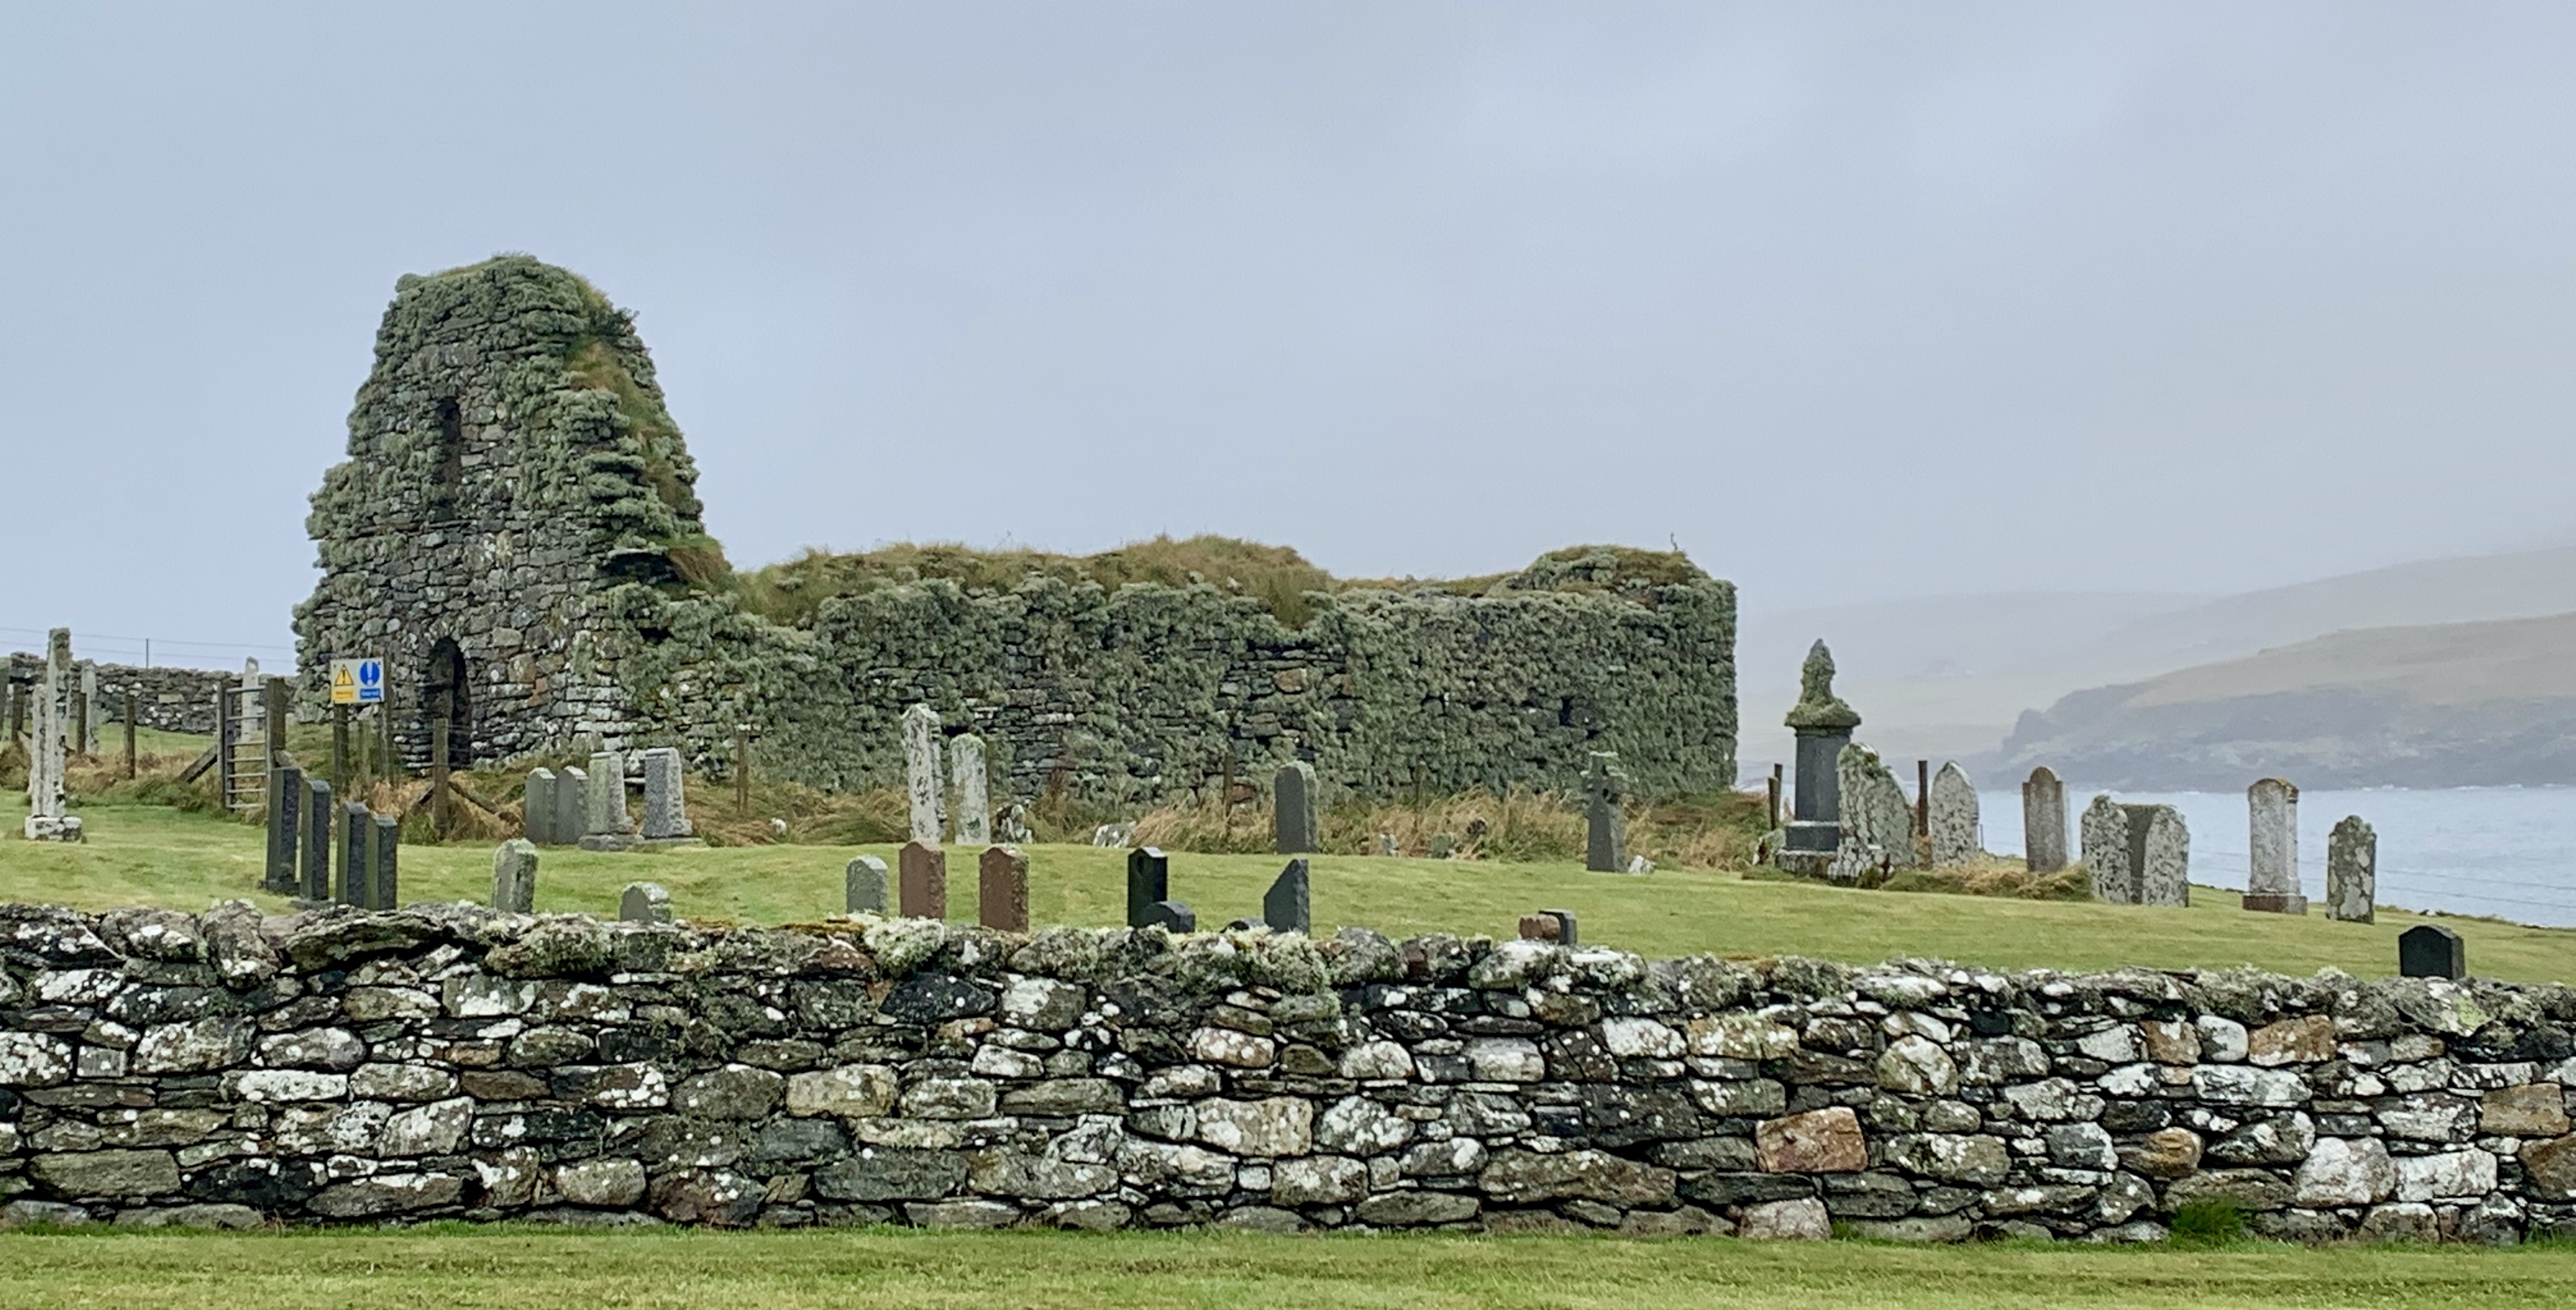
<point>342,1066</point>
<point>165,698</point>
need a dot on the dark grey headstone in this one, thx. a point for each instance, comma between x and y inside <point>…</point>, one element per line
<point>572,806</point>
<point>2427,951</point>
<point>1172,916</point>
<point>285,815</point>
<point>1605,848</point>
<point>1292,797</point>
<point>1283,907</point>
<point>317,840</point>
<point>1149,880</point>
<point>387,882</point>
<point>863,886</point>
<point>357,833</point>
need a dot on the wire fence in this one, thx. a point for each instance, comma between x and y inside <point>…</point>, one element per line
<point>182,652</point>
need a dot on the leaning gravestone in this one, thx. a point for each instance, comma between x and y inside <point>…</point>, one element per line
<point>974,800</point>
<point>514,877</point>
<point>2272,864</point>
<point>644,902</point>
<point>922,783</point>
<point>2105,831</point>
<point>538,809</point>
<point>2160,852</point>
<point>1002,889</point>
<point>572,806</point>
<point>609,828</point>
<point>1285,906</point>
<point>1149,879</point>
<point>2043,822</point>
<point>922,870</point>
<point>1957,836</point>
<point>1292,805</point>
<point>1605,847</point>
<point>2428,951</point>
<point>1877,825</point>
<point>2352,871</point>
<point>863,889</point>
<point>666,806</point>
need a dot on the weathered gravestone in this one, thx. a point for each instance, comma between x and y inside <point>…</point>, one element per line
<point>2352,871</point>
<point>1284,906</point>
<point>1292,807</point>
<point>974,799</point>
<point>1812,840</point>
<point>514,877</point>
<point>1605,846</point>
<point>2272,864</point>
<point>609,828</point>
<point>1149,879</point>
<point>1549,926</point>
<point>48,802</point>
<point>2160,852</point>
<point>2429,951</point>
<point>356,836</point>
<point>2105,833</point>
<point>644,902</point>
<point>1170,916</point>
<point>285,792</point>
<point>922,870</point>
<point>921,777</point>
<point>1957,835</point>
<point>863,888</point>
<point>1877,825</point>
<point>1002,889</point>
<point>317,840</point>
<point>386,882</point>
<point>2043,821</point>
<point>572,806</point>
<point>537,809</point>
<point>666,806</point>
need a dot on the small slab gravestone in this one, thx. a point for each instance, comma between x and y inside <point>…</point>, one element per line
<point>572,806</point>
<point>1292,804</point>
<point>2428,951</point>
<point>921,775</point>
<point>974,800</point>
<point>1002,889</point>
<point>357,833</point>
<point>666,806</point>
<point>2352,871</point>
<point>1549,926</point>
<point>2160,852</point>
<point>2043,822</point>
<point>317,840</point>
<point>2105,828</point>
<point>1952,821</point>
<point>514,877</point>
<point>2272,863</point>
<point>285,786</point>
<point>922,869</point>
<point>864,886</point>
<point>537,809</point>
<point>1284,907</point>
<point>1170,916</point>
<point>1149,879</point>
<point>644,902</point>
<point>1605,844</point>
<point>386,884</point>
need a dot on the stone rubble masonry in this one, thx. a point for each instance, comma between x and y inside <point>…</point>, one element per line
<point>2043,821</point>
<point>2352,871</point>
<point>2272,865</point>
<point>1957,836</point>
<point>342,1066</point>
<point>165,698</point>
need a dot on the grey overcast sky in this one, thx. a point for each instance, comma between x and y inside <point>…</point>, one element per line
<point>1852,301</point>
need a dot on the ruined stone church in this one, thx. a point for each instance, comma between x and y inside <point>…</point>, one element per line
<point>516,532</point>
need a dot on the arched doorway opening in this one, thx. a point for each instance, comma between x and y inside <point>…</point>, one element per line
<point>444,697</point>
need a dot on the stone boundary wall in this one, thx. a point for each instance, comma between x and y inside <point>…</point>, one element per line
<point>342,1066</point>
<point>165,698</point>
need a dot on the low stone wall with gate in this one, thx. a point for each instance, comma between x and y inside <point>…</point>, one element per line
<point>342,1066</point>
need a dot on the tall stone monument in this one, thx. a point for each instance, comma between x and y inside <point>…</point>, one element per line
<point>2043,821</point>
<point>48,803</point>
<point>2104,830</point>
<point>921,775</point>
<point>1958,837</point>
<point>1824,726</point>
<point>974,798</point>
<point>609,828</point>
<point>1605,847</point>
<point>1292,806</point>
<point>2272,866</point>
<point>666,806</point>
<point>1876,824</point>
<point>2352,871</point>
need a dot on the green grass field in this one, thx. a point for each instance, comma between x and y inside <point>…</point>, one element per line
<point>520,1269</point>
<point>154,855</point>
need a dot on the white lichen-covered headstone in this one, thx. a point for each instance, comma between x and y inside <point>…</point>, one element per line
<point>2160,848</point>
<point>2043,821</point>
<point>974,797</point>
<point>666,806</point>
<point>1957,835</point>
<point>91,710</point>
<point>514,877</point>
<point>49,744</point>
<point>607,826</point>
<point>2272,866</point>
<point>2104,831</point>
<point>1877,824</point>
<point>921,774</point>
<point>2352,871</point>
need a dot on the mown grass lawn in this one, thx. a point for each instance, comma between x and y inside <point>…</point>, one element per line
<point>141,854</point>
<point>521,1269</point>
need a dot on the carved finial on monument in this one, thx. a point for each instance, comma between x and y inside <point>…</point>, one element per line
<point>1818,706</point>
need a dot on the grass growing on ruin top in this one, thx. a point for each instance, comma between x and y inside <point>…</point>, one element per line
<point>151,854</point>
<point>519,1268</point>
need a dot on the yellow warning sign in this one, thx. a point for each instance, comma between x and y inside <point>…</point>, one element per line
<point>357,682</point>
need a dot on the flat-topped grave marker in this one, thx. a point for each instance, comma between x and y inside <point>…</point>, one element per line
<point>1002,889</point>
<point>2352,871</point>
<point>666,805</point>
<point>922,868</point>
<point>2272,863</point>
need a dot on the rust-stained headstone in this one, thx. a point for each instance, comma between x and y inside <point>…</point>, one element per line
<point>923,878</point>
<point>1001,890</point>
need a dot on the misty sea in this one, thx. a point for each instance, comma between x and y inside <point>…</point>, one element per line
<point>2506,852</point>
